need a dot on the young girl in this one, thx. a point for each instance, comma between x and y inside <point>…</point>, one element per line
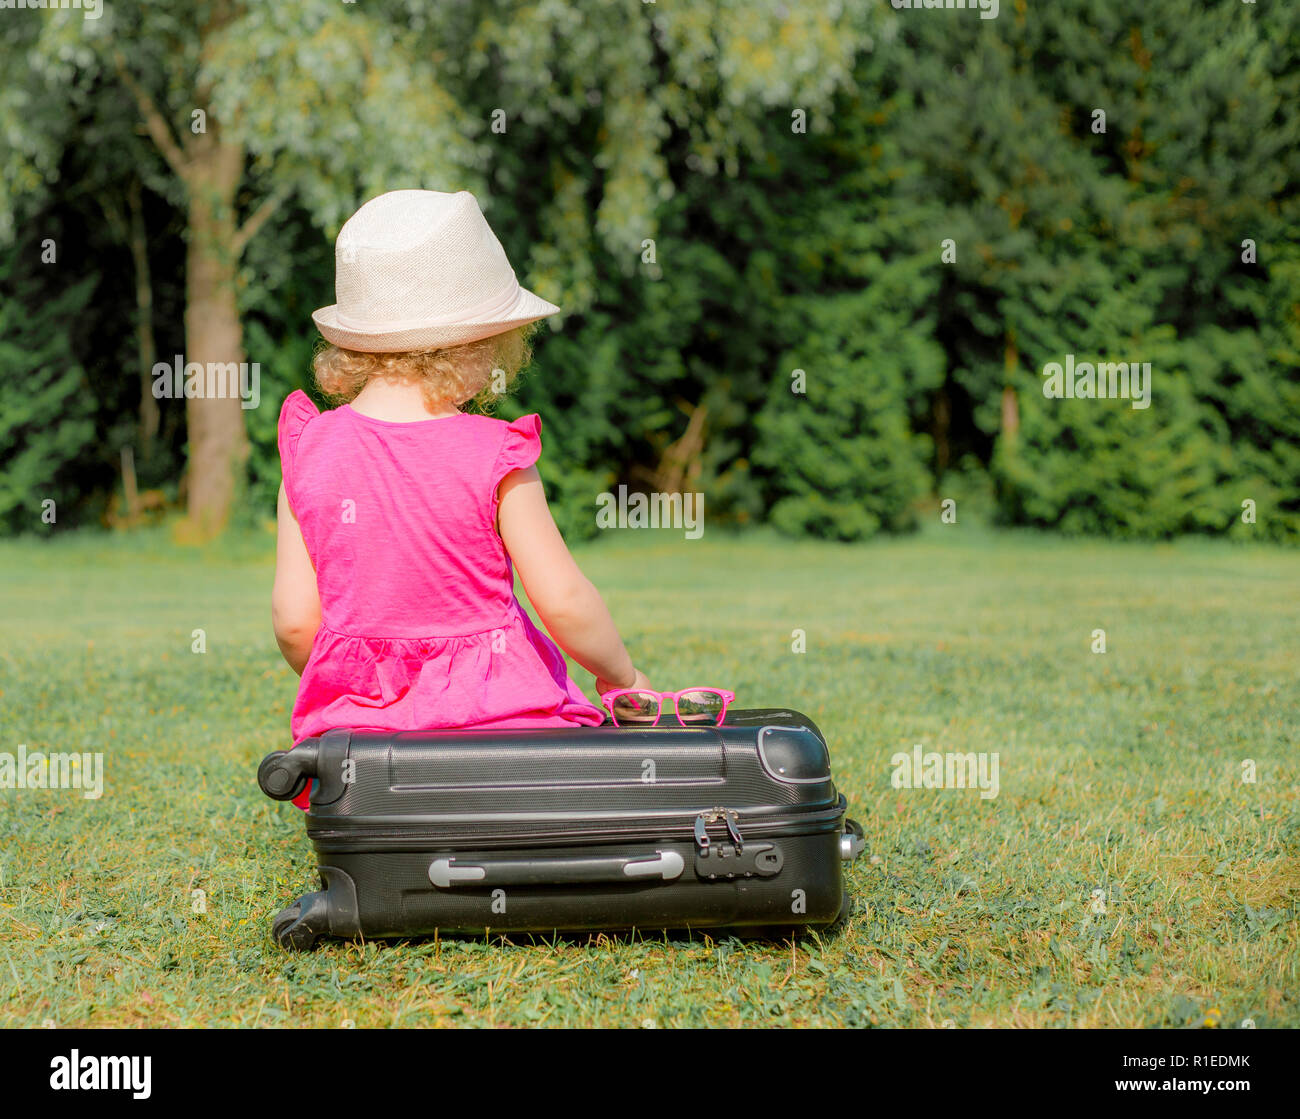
<point>400,515</point>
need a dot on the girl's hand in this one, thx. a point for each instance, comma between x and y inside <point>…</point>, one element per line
<point>639,681</point>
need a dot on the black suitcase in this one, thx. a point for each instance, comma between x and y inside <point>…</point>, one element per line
<point>734,826</point>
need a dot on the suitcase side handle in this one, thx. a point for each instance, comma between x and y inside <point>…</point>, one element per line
<point>283,774</point>
<point>661,866</point>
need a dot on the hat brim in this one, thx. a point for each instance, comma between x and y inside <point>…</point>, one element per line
<point>526,308</point>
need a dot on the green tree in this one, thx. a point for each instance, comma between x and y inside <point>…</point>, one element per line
<point>857,292</point>
<point>244,104</point>
<point>1099,168</point>
<point>46,423</point>
<point>247,105</point>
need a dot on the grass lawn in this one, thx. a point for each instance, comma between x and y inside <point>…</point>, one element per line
<point>1120,772</point>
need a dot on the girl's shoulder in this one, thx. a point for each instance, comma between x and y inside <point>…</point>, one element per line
<point>506,442</point>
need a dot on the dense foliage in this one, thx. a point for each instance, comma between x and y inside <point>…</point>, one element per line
<point>813,265</point>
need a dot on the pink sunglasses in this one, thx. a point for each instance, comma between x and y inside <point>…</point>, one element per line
<point>638,707</point>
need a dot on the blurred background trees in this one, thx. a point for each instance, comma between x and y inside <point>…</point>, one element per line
<point>742,208</point>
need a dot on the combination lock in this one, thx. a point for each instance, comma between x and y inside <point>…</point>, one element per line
<point>726,860</point>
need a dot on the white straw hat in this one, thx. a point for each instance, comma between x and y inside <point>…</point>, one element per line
<point>416,269</point>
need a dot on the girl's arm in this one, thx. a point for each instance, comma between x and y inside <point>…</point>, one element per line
<point>295,603</point>
<point>565,600</point>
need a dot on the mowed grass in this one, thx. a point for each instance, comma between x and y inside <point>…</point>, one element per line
<point>1121,772</point>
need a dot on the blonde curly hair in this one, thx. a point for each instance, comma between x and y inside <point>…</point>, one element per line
<point>472,377</point>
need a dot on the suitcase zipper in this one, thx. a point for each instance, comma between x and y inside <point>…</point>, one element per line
<point>704,819</point>
<point>810,823</point>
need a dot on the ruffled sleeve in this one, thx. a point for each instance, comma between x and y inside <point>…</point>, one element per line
<point>521,445</point>
<point>295,414</point>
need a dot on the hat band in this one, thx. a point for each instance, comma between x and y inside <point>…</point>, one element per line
<point>479,312</point>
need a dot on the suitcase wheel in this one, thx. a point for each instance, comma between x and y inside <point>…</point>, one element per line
<point>298,927</point>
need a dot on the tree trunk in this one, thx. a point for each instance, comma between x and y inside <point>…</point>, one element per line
<point>1010,406</point>
<point>213,334</point>
<point>942,422</point>
<point>211,169</point>
<point>144,319</point>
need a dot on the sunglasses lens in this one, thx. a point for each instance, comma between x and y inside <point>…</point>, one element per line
<point>699,706</point>
<point>636,708</point>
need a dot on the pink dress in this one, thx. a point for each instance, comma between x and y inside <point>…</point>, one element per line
<point>420,627</point>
